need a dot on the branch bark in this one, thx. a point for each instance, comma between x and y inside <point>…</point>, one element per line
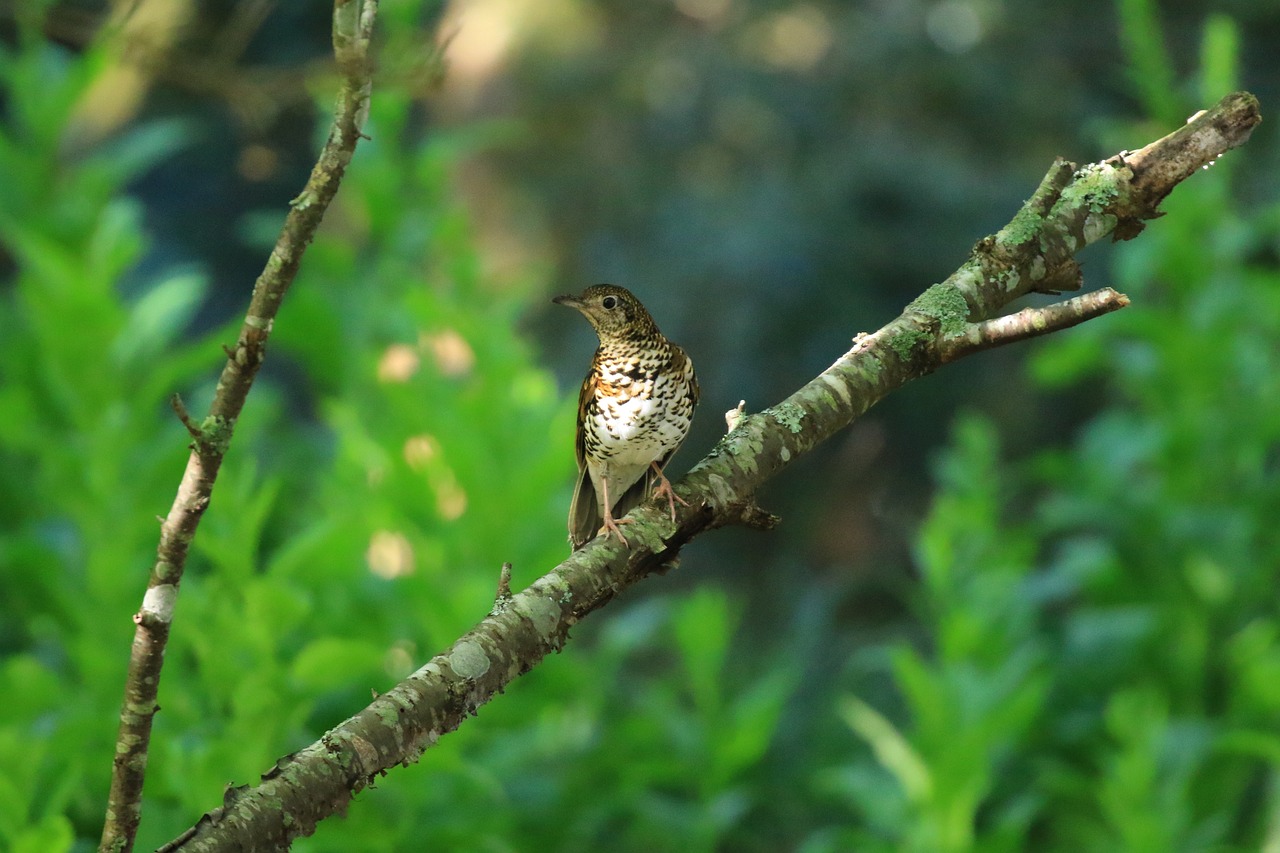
<point>1034,252</point>
<point>352,27</point>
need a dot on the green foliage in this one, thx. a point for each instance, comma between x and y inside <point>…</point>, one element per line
<point>1093,664</point>
<point>83,460</point>
<point>1103,636</point>
<point>1151,71</point>
<point>400,444</point>
<point>974,701</point>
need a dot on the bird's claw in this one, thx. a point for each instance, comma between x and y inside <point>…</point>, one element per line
<point>664,488</point>
<point>611,526</point>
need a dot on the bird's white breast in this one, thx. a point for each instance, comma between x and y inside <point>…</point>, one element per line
<point>641,416</point>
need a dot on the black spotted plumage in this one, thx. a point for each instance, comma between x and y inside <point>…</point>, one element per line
<point>634,410</point>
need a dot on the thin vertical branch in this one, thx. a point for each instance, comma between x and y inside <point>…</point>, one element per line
<point>352,27</point>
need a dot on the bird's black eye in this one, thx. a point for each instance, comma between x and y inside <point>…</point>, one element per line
<point>609,301</point>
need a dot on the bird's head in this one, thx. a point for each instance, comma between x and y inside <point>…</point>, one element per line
<point>614,312</point>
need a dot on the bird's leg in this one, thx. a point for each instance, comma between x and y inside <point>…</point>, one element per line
<point>664,488</point>
<point>610,523</point>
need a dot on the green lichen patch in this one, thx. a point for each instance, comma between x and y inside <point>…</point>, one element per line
<point>944,303</point>
<point>1023,228</point>
<point>387,715</point>
<point>1093,188</point>
<point>905,341</point>
<point>646,534</point>
<point>788,415</point>
<point>215,433</point>
<point>744,445</point>
<point>830,392</point>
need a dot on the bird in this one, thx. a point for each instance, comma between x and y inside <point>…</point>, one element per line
<point>634,411</point>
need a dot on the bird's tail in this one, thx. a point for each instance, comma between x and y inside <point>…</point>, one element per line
<point>584,512</point>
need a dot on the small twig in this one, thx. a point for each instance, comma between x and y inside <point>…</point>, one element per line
<point>1031,323</point>
<point>734,416</point>
<point>180,409</point>
<point>176,843</point>
<point>503,596</point>
<point>756,518</point>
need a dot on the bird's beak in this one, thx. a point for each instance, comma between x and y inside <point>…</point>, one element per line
<point>568,299</point>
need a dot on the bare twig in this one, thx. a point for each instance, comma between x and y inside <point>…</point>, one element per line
<point>353,22</point>
<point>734,415</point>
<point>503,597</point>
<point>180,409</point>
<point>1031,323</point>
<point>1072,208</point>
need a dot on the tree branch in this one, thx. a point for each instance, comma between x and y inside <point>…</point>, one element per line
<point>1072,208</point>
<point>352,26</point>
<point>1030,323</point>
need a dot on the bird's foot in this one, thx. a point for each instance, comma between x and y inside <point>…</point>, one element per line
<point>664,489</point>
<point>611,525</point>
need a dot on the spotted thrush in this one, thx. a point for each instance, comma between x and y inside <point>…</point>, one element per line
<point>634,410</point>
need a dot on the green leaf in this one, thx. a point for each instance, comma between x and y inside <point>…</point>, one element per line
<point>892,749</point>
<point>1150,70</point>
<point>702,627</point>
<point>328,663</point>
<point>1219,58</point>
<point>155,320</point>
<point>139,148</point>
<point>753,721</point>
<point>53,834</point>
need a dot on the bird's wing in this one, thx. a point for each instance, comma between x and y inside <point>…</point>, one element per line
<point>679,364</point>
<point>584,511</point>
<point>586,400</point>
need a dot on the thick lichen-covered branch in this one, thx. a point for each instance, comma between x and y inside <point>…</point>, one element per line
<point>353,21</point>
<point>964,314</point>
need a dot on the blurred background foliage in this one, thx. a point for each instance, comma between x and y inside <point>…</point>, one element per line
<point>1027,603</point>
